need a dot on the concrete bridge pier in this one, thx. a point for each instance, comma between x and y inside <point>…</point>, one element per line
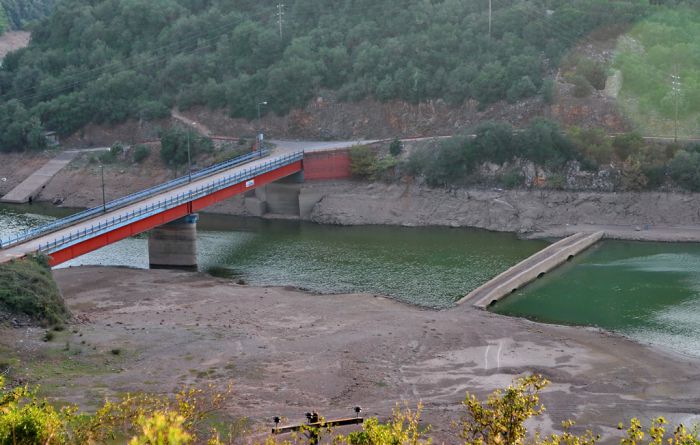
<point>279,198</point>
<point>174,245</point>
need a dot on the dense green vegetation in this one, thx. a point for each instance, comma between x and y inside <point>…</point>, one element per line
<point>662,46</point>
<point>21,12</point>
<point>27,287</point>
<point>457,159</point>
<point>179,143</point>
<point>633,163</point>
<point>108,60</point>
<point>4,22</point>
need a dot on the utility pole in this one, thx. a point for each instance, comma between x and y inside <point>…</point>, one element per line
<point>490,10</point>
<point>280,14</point>
<point>676,88</point>
<point>189,158</point>
<point>104,201</point>
<point>260,129</point>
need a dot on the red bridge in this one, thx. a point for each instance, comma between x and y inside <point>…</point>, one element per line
<point>170,207</point>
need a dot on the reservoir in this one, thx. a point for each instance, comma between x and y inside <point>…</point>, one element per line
<point>646,291</point>
<point>432,267</point>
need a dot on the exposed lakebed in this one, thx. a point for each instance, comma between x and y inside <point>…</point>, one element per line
<point>646,291</point>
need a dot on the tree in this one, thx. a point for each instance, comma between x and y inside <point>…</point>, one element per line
<point>684,169</point>
<point>494,142</point>
<point>396,147</point>
<point>175,143</point>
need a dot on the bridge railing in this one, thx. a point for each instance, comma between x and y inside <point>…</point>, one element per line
<point>166,204</point>
<point>129,199</point>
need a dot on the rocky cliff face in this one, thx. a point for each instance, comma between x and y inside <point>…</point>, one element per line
<point>501,210</point>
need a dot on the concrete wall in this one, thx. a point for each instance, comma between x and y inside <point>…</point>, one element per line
<point>283,199</point>
<point>324,165</point>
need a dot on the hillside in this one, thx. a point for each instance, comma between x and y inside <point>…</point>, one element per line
<point>15,14</point>
<point>104,61</point>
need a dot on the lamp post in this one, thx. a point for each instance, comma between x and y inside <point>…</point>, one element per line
<point>260,131</point>
<point>104,201</point>
<point>189,158</point>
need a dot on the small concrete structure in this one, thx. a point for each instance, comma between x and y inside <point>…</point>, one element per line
<point>530,269</point>
<point>27,190</point>
<point>278,198</point>
<point>174,245</point>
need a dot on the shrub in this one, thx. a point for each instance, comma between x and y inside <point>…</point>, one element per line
<point>556,181</point>
<point>593,143</point>
<point>188,418</point>
<point>27,287</point>
<point>117,149</point>
<point>628,144</point>
<point>513,179</point>
<point>633,178</point>
<point>543,143</point>
<point>582,87</point>
<point>162,428</point>
<point>494,142</point>
<point>365,163</point>
<point>396,147</point>
<point>594,72</point>
<point>362,161</point>
<point>403,428</point>
<point>176,141</point>
<point>684,169</point>
<point>501,419</point>
<point>548,91</point>
<point>26,420</point>
<point>521,89</point>
<point>450,164</point>
<point>141,152</point>
<point>107,157</point>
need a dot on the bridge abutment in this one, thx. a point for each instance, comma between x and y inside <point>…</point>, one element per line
<point>174,245</point>
<point>278,198</point>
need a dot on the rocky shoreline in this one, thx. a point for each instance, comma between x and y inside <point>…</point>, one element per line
<point>651,216</point>
<point>533,213</point>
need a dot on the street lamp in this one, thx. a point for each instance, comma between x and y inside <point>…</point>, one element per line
<point>189,157</point>
<point>260,131</point>
<point>104,201</point>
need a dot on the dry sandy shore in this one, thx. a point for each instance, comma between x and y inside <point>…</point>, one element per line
<point>288,352</point>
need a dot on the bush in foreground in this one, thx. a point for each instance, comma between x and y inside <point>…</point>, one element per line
<point>27,287</point>
<point>188,417</point>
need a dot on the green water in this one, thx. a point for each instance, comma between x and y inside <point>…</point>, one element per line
<point>647,291</point>
<point>431,267</point>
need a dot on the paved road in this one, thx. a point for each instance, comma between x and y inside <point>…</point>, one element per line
<point>291,146</point>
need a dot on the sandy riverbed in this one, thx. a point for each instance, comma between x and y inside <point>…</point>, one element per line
<point>288,352</point>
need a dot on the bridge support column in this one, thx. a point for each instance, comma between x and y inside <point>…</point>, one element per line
<point>174,245</point>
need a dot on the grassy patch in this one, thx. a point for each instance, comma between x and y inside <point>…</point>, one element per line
<point>649,56</point>
<point>27,287</point>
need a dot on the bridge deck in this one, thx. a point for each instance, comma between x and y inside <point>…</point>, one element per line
<point>528,270</point>
<point>159,208</point>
